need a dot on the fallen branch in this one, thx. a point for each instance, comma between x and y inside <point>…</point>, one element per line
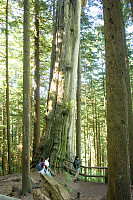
<point>56,190</point>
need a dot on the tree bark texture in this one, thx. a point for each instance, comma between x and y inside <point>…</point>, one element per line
<point>26,186</point>
<point>36,139</point>
<point>60,116</point>
<point>117,107</point>
<point>55,189</point>
<point>130,113</point>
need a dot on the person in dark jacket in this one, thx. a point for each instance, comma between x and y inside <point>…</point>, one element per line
<point>77,164</point>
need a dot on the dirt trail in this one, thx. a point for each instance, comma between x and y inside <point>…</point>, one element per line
<point>86,190</point>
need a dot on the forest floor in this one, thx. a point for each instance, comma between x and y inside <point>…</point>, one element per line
<point>10,185</point>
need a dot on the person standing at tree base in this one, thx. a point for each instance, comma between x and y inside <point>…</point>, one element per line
<point>76,165</point>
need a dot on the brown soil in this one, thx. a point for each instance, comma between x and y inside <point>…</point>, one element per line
<point>86,190</point>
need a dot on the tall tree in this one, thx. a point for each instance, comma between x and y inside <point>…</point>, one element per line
<point>117,109</point>
<point>63,85</point>
<point>26,186</point>
<point>18,136</point>
<point>37,83</point>
<point>78,121</point>
<point>4,141</point>
<point>93,122</point>
<point>53,43</point>
<point>7,93</point>
<point>60,116</point>
<point>130,113</point>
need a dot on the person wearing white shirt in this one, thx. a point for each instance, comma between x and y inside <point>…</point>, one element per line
<point>47,166</point>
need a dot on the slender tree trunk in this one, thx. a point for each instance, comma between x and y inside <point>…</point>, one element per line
<point>18,142</point>
<point>104,94</point>
<point>31,116</point>
<point>93,125</point>
<point>117,107</point>
<point>87,127</point>
<point>4,142</point>
<point>26,186</point>
<point>85,147</point>
<point>37,83</point>
<point>97,138</point>
<point>53,53</point>
<point>84,2</point>
<point>78,121</point>
<point>90,157</point>
<point>131,1</point>
<point>130,121</point>
<point>7,93</point>
<point>130,113</point>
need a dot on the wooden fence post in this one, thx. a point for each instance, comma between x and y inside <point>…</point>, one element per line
<point>106,175</point>
<point>85,175</point>
<point>85,171</point>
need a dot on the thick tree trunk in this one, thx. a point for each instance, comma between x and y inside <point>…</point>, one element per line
<point>26,186</point>
<point>117,107</point>
<point>60,116</point>
<point>58,141</point>
<point>36,139</point>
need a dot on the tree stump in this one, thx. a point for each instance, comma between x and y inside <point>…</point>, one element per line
<point>55,189</point>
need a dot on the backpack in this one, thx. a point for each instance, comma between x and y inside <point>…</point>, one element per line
<point>74,165</point>
<point>40,166</point>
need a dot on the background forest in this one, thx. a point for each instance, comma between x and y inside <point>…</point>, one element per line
<point>93,82</point>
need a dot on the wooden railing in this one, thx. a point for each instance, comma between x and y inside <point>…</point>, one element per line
<point>86,171</point>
